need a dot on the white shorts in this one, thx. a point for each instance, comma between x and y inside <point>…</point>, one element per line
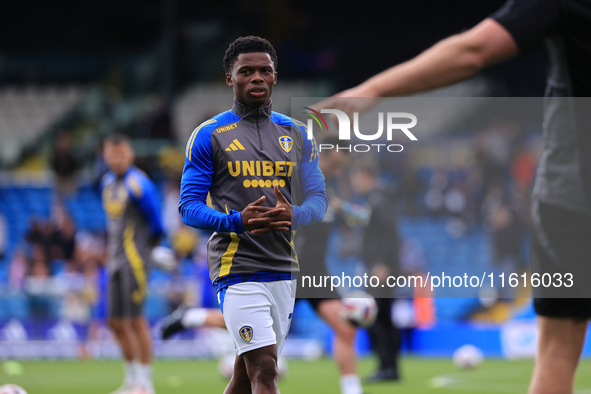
<point>258,314</point>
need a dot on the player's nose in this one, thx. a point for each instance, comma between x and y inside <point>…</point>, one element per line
<point>257,77</point>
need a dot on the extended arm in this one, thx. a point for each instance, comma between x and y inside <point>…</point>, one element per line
<point>451,60</point>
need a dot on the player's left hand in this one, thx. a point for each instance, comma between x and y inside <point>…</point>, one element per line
<point>279,220</point>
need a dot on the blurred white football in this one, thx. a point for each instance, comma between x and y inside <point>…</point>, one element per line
<point>226,366</point>
<point>358,308</point>
<point>164,258</point>
<point>467,357</point>
<point>12,389</point>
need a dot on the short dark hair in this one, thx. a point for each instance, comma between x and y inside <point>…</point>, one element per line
<point>248,44</point>
<point>117,139</point>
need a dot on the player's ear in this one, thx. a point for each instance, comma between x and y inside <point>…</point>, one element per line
<point>229,79</point>
<point>275,78</point>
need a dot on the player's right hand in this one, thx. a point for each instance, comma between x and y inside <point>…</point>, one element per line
<point>264,215</point>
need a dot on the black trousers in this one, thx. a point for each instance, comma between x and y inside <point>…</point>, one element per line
<point>385,337</point>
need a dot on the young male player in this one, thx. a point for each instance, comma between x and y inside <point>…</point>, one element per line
<point>133,225</point>
<point>561,200</point>
<point>262,174</point>
<point>311,242</point>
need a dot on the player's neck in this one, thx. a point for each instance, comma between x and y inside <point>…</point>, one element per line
<point>243,110</point>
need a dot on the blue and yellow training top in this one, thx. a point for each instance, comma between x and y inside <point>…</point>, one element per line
<point>133,218</point>
<point>237,157</point>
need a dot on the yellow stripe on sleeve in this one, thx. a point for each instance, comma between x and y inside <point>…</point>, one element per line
<point>189,152</point>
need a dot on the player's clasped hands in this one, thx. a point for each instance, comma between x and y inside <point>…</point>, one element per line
<point>262,220</point>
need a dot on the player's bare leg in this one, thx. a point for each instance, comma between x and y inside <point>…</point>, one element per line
<point>142,333</point>
<point>344,352</point>
<point>140,326</point>
<point>344,346</point>
<point>125,336</point>
<point>261,366</point>
<point>239,383</point>
<point>215,319</point>
<point>559,349</point>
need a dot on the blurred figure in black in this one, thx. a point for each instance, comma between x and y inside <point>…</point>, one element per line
<point>410,185</point>
<point>64,164</point>
<point>507,233</point>
<point>312,243</point>
<point>380,254</point>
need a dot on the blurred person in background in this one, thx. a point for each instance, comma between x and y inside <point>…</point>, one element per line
<point>134,226</point>
<point>63,236</point>
<point>561,199</point>
<point>39,234</point>
<point>99,167</point>
<point>434,197</point>
<point>507,234</point>
<point>64,164</point>
<point>55,236</point>
<point>36,283</point>
<point>311,245</point>
<point>380,255</point>
<point>18,269</point>
<point>410,185</point>
<point>410,309</point>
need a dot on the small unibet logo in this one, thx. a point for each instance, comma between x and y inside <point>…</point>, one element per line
<point>231,126</point>
<point>246,333</point>
<point>235,145</point>
<point>344,122</point>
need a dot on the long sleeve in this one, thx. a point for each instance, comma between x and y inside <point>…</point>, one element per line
<point>195,184</point>
<point>144,194</point>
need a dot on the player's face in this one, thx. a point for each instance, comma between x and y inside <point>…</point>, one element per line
<point>119,157</point>
<point>253,78</point>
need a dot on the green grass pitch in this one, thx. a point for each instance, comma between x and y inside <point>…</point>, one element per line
<point>420,375</point>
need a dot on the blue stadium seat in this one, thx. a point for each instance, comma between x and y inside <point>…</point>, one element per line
<point>156,306</point>
<point>16,306</point>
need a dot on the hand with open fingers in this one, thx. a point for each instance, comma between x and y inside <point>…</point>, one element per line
<point>264,215</point>
<point>276,222</point>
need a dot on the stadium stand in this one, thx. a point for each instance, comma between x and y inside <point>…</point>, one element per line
<point>26,112</point>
